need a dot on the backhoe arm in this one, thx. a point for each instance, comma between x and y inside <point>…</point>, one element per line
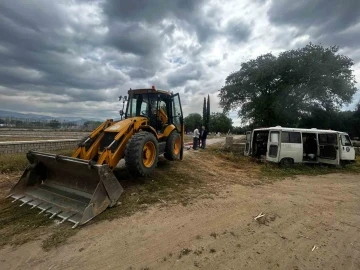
<point>88,149</point>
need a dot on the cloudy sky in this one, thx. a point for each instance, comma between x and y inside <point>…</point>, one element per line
<point>74,58</point>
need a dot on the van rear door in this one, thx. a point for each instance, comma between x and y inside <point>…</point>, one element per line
<point>328,148</point>
<point>273,147</point>
<point>248,143</point>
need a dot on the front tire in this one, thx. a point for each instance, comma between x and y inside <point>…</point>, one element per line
<point>141,154</point>
<point>173,146</point>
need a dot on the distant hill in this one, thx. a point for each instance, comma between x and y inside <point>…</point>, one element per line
<point>39,117</point>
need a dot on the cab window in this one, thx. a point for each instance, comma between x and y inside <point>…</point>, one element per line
<point>345,140</point>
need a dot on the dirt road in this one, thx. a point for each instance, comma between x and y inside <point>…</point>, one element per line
<point>309,223</point>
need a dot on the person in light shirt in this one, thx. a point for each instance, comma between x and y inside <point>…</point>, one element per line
<point>196,138</point>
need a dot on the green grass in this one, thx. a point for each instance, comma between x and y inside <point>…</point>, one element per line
<point>171,182</point>
<point>19,225</point>
<point>18,162</point>
<point>270,171</point>
<point>177,182</point>
<point>59,237</point>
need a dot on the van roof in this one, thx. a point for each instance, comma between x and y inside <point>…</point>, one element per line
<point>310,130</point>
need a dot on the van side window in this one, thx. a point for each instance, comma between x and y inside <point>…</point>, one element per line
<point>345,140</point>
<point>290,137</point>
<point>327,139</point>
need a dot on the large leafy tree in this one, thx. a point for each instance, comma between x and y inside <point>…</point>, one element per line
<point>220,122</point>
<point>272,90</point>
<point>192,120</point>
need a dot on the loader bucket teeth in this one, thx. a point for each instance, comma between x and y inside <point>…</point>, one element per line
<point>68,188</point>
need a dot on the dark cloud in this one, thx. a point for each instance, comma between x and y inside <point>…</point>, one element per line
<point>329,21</point>
<point>150,10</point>
<point>185,73</point>
<point>325,15</point>
<point>135,38</point>
<point>76,56</point>
<point>238,31</point>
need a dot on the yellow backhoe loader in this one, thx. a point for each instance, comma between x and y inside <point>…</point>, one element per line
<point>80,187</point>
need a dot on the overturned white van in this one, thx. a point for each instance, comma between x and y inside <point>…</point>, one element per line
<point>295,145</point>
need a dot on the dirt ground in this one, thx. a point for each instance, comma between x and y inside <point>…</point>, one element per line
<point>308,223</point>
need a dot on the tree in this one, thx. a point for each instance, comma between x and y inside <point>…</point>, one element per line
<point>220,122</point>
<point>208,113</point>
<point>54,124</point>
<point>90,125</point>
<point>271,90</point>
<point>205,121</point>
<point>356,121</point>
<point>192,120</point>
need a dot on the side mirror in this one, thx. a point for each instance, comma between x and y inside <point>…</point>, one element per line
<point>121,112</point>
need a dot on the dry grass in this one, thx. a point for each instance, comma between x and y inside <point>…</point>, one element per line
<point>201,174</point>
<point>18,162</point>
<point>270,172</point>
<point>19,225</point>
<point>171,183</point>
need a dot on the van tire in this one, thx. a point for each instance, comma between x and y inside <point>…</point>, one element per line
<point>343,163</point>
<point>286,162</point>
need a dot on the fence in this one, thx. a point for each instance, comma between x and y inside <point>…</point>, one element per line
<point>43,145</point>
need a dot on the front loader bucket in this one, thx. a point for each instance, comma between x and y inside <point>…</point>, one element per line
<point>69,188</point>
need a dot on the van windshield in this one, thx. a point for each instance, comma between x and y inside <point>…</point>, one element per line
<point>345,140</point>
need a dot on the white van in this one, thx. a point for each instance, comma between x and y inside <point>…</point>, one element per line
<point>296,145</point>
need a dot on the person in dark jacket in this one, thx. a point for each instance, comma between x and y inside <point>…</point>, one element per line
<point>203,136</point>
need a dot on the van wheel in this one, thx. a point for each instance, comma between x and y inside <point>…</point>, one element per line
<point>343,163</point>
<point>286,162</point>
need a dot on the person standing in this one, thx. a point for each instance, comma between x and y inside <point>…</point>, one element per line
<point>203,136</point>
<point>196,138</point>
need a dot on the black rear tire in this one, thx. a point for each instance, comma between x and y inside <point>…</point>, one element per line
<point>135,161</point>
<point>286,162</point>
<point>173,146</point>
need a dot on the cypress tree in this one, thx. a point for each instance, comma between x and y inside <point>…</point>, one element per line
<point>208,113</point>
<point>204,113</point>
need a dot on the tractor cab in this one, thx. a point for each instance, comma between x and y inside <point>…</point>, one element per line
<point>160,107</point>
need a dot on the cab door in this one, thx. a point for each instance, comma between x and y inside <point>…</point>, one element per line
<point>328,151</point>
<point>273,147</point>
<point>178,119</point>
<point>247,149</point>
<point>347,151</point>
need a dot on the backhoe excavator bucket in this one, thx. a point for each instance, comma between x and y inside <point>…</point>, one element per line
<point>69,188</point>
